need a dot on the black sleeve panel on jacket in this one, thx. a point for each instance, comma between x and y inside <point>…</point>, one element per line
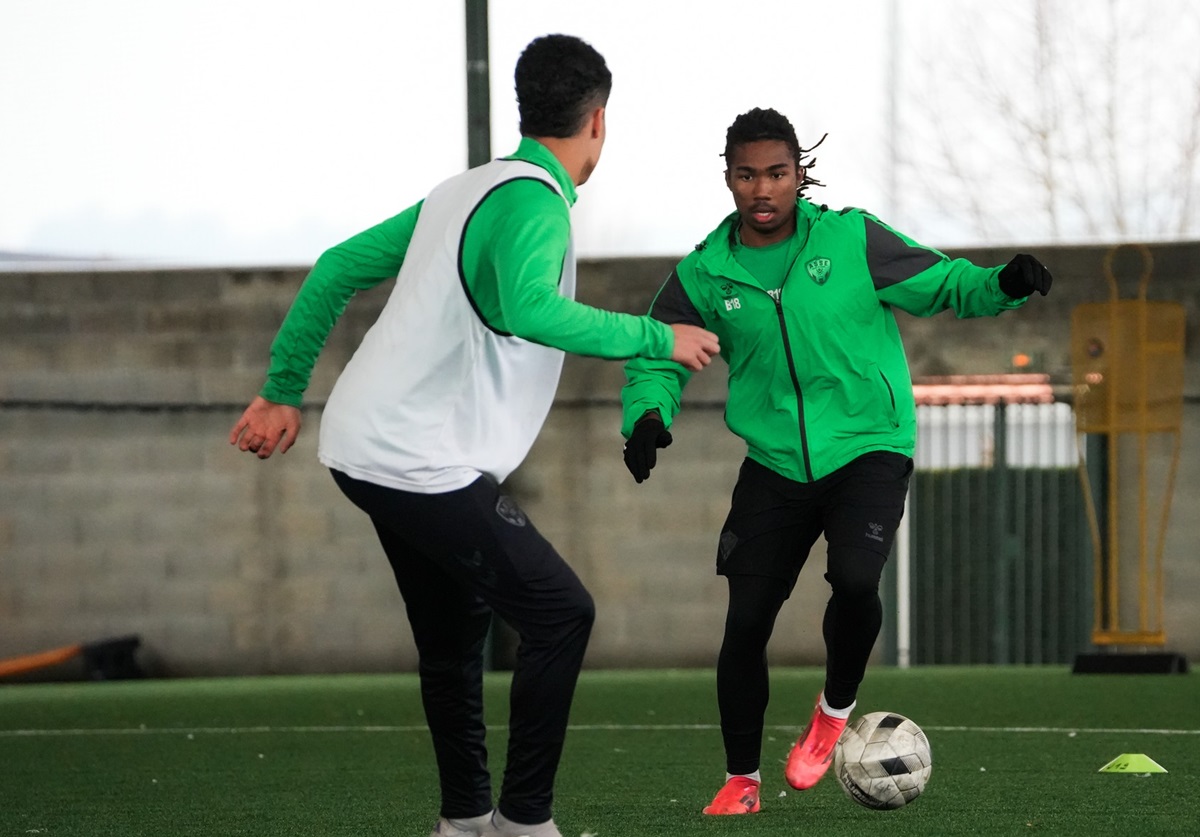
<point>673,305</point>
<point>891,259</point>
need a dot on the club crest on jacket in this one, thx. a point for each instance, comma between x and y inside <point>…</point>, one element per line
<point>819,269</point>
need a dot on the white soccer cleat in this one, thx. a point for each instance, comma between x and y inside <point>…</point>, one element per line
<point>503,827</point>
<point>471,827</point>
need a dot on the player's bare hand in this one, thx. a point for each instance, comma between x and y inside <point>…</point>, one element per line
<point>694,346</point>
<point>266,427</point>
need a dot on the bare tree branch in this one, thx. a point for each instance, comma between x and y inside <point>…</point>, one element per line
<point>1059,119</point>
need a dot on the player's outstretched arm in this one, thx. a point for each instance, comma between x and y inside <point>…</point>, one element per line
<point>694,346</point>
<point>1024,275</point>
<point>266,427</point>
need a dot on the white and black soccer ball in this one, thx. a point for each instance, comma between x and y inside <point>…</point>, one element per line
<point>882,760</point>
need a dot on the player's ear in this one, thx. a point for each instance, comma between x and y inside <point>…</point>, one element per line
<point>597,123</point>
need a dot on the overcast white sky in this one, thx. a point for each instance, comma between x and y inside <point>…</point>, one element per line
<point>267,130</point>
<point>252,131</point>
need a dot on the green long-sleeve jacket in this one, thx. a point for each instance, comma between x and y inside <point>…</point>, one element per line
<point>817,371</point>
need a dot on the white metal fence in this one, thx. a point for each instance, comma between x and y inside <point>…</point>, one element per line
<point>993,560</point>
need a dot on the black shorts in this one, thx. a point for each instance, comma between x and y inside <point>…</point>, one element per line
<point>773,521</point>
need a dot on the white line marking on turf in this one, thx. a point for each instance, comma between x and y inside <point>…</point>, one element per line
<point>17,733</point>
<point>1068,730</point>
<point>262,730</point>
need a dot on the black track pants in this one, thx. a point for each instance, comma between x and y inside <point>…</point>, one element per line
<point>457,557</point>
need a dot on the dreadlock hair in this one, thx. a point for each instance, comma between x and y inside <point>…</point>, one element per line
<point>559,80</point>
<point>769,124</point>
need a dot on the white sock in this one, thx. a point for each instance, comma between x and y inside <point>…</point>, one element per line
<point>756,776</point>
<point>836,713</point>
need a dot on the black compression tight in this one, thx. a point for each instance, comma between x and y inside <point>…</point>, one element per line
<point>852,621</point>
<point>851,625</point>
<point>742,681</point>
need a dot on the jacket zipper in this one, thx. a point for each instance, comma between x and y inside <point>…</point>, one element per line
<point>787,349</point>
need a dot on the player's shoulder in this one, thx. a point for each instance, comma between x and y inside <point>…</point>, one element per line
<point>501,181</point>
<point>529,186</point>
<point>850,219</point>
<point>523,200</point>
<point>846,213</point>
<point>685,269</point>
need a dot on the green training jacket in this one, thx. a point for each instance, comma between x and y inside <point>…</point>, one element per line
<point>817,371</point>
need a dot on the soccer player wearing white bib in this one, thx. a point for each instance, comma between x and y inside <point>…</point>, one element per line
<point>441,402</point>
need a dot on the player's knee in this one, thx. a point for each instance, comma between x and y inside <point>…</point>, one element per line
<point>746,627</point>
<point>855,573</point>
<point>587,612</point>
<point>583,610</point>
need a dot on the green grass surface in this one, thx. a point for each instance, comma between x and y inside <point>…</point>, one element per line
<point>1015,751</point>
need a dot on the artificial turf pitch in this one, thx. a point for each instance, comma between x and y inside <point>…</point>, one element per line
<point>1015,751</point>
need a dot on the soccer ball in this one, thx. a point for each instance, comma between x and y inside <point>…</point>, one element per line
<point>882,760</point>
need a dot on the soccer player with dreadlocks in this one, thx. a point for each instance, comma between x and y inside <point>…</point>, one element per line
<point>801,298</point>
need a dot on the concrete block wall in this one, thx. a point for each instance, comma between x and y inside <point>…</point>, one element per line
<point>124,510</point>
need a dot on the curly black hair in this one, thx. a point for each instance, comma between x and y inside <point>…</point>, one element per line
<point>769,124</point>
<point>559,80</point>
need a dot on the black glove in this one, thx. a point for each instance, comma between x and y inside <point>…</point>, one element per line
<point>641,451</point>
<point>1024,275</point>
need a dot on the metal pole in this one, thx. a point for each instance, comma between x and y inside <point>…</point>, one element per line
<point>904,587</point>
<point>1004,617</point>
<point>479,112</point>
<point>893,112</point>
<point>479,151</point>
